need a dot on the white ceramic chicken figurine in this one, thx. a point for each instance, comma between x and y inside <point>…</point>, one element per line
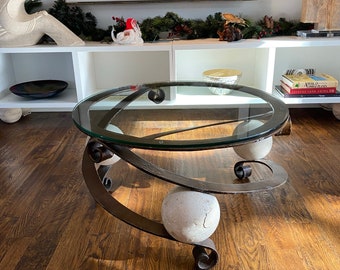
<point>131,34</point>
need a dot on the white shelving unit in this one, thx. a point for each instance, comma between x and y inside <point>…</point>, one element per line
<point>98,66</point>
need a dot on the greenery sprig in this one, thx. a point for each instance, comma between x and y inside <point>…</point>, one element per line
<point>119,24</point>
<point>82,24</point>
<point>268,27</point>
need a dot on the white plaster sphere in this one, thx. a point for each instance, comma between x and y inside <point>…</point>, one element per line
<point>190,216</point>
<point>254,150</point>
<point>11,115</point>
<point>336,110</point>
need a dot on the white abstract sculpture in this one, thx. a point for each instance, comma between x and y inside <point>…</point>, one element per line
<point>18,28</point>
<point>131,34</point>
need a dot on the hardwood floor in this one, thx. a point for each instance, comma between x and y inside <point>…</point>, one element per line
<point>48,219</point>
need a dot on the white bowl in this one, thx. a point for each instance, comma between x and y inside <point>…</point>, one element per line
<point>226,76</point>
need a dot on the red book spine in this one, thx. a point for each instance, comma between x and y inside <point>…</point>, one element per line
<point>312,90</point>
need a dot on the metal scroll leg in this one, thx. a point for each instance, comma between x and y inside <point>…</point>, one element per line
<point>243,170</point>
<point>203,260</point>
<point>103,159</point>
<point>204,252</point>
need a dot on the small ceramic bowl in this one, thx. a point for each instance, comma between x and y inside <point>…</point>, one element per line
<point>226,76</point>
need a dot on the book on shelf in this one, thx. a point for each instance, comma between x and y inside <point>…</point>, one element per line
<point>285,94</point>
<point>317,33</point>
<point>309,80</point>
<point>308,90</point>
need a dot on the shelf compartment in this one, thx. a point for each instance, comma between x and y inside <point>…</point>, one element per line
<point>28,66</point>
<point>116,69</point>
<point>43,66</point>
<point>253,62</point>
<point>323,59</point>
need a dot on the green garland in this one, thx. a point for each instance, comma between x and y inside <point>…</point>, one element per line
<point>193,29</point>
<point>85,25</point>
<point>180,28</point>
<point>82,24</point>
<point>267,27</point>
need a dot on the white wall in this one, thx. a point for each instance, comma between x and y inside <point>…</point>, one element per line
<point>289,9</point>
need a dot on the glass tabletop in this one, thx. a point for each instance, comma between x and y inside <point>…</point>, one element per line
<point>180,115</point>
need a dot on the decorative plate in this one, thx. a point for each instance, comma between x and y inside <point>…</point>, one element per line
<point>39,89</point>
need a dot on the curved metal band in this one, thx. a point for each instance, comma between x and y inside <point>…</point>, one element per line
<point>279,175</point>
<point>114,207</point>
<point>203,261</point>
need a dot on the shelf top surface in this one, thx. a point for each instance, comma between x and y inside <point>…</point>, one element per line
<point>274,42</point>
<point>141,117</point>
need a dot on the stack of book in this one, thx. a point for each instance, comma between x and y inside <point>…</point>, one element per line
<point>308,85</point>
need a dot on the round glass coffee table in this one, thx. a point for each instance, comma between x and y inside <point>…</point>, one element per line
<point>178,117</point>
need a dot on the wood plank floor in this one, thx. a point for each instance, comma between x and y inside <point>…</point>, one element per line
<point>48,219</point>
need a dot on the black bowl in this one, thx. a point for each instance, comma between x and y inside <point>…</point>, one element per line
<point>39,89</point>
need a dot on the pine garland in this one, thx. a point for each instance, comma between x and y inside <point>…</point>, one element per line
<point>84,25</point>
